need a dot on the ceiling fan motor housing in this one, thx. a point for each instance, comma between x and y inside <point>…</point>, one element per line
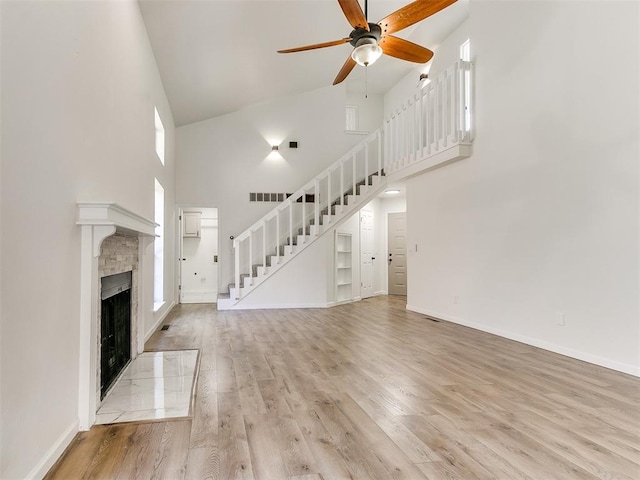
<point>374,32</point>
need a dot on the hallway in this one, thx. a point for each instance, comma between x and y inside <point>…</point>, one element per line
<point>370,390</point>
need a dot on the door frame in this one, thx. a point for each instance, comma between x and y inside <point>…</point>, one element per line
<point>388,252</point>
<point>373,236</point>
<point>179,242</point>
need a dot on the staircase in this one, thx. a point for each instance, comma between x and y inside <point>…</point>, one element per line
<point>311,212</point>
<point>433,128</point>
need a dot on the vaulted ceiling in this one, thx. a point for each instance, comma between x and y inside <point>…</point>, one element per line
<point>218,56</point>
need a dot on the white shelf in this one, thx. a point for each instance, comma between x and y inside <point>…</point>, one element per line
<point>343,272</point>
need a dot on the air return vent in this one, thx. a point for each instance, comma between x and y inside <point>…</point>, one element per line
<point>277,197</point>
<point>268,197</point>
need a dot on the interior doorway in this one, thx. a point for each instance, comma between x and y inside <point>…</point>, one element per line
<point>366,253</point>
<point>198,261</point>
<point>397,258</point>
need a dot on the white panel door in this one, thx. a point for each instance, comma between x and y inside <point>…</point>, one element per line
<point>366,253</point>
<point>397,260</point>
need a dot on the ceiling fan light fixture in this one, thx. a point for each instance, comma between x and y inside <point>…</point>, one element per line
<point>366,52</point>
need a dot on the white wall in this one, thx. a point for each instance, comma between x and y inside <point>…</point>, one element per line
<point>79,85</point>
<point>221,160</point>
<point>370,110</point>
<point>543,218</point>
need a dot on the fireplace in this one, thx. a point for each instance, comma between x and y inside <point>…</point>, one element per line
<point>117,314</point>
<point>115,328</point>
<point>114,241</point>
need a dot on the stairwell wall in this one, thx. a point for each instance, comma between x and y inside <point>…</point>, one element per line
<point>221,160</point>
<point>304,282</point>
<point>540,226</point>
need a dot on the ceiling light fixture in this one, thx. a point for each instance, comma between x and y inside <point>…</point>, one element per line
<point>367,51</point>
<point>392,192</point>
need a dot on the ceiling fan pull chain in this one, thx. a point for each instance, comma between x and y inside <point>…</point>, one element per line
<point>366,81</point>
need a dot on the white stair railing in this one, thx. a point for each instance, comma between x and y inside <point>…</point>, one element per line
<point>437,118</point>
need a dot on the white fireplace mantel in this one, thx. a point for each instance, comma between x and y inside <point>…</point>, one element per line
<point>99,221</point>
<point>112,215</point>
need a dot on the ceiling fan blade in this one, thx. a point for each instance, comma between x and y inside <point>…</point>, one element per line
<point>316,45</point>
<point>411,13</point>
<point>353,11</point>
<point>404,49</point>
<point>345,70</point>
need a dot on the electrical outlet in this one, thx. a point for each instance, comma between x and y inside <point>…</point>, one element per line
<point>456,299</point>
<point>560,319</point>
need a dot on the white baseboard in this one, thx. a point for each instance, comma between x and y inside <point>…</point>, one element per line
<point>53,454</point>
<point>272,306</point>
<point>199,297</point>
<point>158,322</point>
<point>380,292</point>
<point>535,342</point>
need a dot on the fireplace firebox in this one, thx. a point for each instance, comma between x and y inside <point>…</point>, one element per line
<point>115,328</point>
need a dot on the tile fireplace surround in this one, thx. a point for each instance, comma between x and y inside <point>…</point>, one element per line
<point>113,240</point>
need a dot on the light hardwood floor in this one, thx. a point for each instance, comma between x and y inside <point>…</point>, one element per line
<point>371,391</point>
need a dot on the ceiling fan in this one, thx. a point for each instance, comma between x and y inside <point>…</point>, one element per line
<point>371,40</point>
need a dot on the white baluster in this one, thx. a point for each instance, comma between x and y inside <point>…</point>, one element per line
<point>316,198</point>
<point>366,163</point>
<point>413,130</point>
<point>278,212</point>
<point>304,212</point>
<point>264,246</point>
<point>236,247</point>
<point>420,122</point>
<point>387,143</point>
<point>354,173</point>
<point>342,183</point>
<point>291,223</point>
<point>250,254</point>
<point>379,136</point>
<point>329,195</point>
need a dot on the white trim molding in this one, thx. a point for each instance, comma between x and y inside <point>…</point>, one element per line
<point>534,342</point>
<point>54,453</point>
<point>108,213</point>
<point>98,221</point>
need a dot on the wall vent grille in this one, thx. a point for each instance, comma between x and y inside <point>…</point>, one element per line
<point>278,197</point>
<point>268,197</point>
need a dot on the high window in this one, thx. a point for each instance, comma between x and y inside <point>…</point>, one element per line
<point>465,51</point>
<point>159,137</point>
<point>158,248</point>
